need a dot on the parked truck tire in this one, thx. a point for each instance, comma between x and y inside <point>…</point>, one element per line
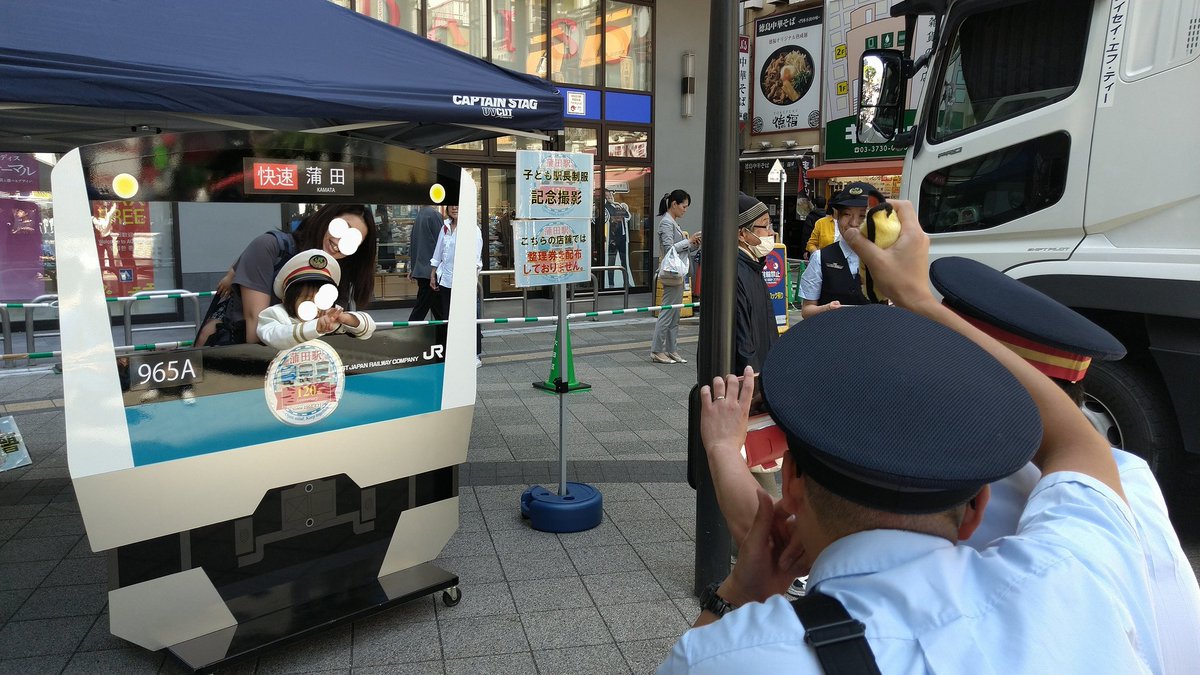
<point>1128,404</point>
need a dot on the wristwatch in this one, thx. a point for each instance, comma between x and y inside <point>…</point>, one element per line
<point>710,601</point>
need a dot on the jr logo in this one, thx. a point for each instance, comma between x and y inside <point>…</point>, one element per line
<point>435,352</point>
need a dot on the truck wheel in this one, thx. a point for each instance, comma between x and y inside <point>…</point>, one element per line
<point>1129,406</point>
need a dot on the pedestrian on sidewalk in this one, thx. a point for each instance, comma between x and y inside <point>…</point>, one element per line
<point>442,262</point>
<point>424,237</point>
<point>664,346</point>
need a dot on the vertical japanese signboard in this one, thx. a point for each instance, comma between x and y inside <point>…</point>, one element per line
<point>852,27</point>
<point>787,72</point>
<point>743,78</point>
<point>552,233</point>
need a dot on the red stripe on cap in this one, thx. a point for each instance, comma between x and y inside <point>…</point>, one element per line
<point>1051,362</point>
<point>287,280</point>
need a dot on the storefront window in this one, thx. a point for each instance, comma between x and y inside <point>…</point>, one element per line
<point>623,232</point>
<point>519,35</point>
<point>575,42</point>
<point>461,24</point>
<point>514,143</point>
<point>134,243</point>
<point>404,14</point>
<point>497,233</point>
<point>472,146</point>
<point>628,48</point>
<point>629,143</point>
<point>579,139</point>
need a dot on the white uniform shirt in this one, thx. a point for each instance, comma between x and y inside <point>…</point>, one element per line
<point>443,254</point>
<point>278,329</point>
<point>1174,592</point>
<point>811,281</point>
<point>1063,596</point>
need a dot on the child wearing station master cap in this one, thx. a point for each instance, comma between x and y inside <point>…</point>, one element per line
<point>308,285</point>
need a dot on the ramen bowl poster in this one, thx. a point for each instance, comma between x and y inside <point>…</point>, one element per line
<point>787,72</point>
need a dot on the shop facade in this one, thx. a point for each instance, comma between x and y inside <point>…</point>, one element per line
<point>601,55</point>
<point>803,81</point>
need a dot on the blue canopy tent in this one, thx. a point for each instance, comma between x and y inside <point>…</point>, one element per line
<point>86,71</point>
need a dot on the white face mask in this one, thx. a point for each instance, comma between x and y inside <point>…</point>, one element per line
<point>765,245</point>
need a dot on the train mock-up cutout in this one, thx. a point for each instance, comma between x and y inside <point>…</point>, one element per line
<point>246,496</point>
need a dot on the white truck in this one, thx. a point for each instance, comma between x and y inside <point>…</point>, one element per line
<point>1057,141</point>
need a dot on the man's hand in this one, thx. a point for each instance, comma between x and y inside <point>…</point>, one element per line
<point>724,411</point>
<point>759,572</point>
<point>901,272</point>
<point>433,285</point>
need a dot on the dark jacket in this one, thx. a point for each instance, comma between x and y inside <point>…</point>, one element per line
<point>423,240</point>
<point>754,317</point>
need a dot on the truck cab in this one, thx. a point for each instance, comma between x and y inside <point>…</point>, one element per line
<point>1053,142</point>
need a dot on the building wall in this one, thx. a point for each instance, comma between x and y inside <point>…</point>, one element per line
<point>682,25</point>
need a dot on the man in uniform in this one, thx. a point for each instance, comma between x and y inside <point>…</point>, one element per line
<point>1061,344</point>
<point>831,278</point>
<point>873,508</point>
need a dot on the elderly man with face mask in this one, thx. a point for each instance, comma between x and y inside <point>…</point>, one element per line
<point>754,317</point>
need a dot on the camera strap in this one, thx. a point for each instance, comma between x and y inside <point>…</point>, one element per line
<point>839,640</point>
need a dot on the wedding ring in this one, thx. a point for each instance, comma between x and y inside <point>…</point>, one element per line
<point>719,398</point>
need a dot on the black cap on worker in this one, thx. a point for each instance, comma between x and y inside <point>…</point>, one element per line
<point>918,420</point>
<point>749,210</point>
<point>857,193</point>
<point>1052,337</point>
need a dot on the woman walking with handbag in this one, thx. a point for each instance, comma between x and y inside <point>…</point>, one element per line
<point>677,248</point>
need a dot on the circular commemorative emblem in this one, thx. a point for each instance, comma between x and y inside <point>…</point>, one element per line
<point>305,383</point>
<point>317,262</point>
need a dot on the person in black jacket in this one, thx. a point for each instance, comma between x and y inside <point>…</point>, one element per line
<point>424,237</point>
<point>754,316</point>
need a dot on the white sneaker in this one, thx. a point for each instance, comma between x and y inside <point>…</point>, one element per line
<point>478,363</point>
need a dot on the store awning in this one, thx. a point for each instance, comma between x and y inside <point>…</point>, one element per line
<point>85,71</point>
<point>881,167</point>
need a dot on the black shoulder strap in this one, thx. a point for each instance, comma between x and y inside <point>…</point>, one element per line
<point>287,248</point>
<point>839,640</point>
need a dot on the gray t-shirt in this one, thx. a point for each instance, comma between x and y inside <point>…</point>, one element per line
<point>255,270</point>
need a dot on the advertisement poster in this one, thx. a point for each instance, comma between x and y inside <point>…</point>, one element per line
<point>552,252</point>
<point>775,273</point>
<point>787,72</point>
<point>125,246</point>
<point>19,172</point>
<point>23,274</point>
<point>854,26</point>
<point>555,185</point>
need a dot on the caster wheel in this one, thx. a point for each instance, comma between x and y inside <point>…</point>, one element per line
<point>451,596</point>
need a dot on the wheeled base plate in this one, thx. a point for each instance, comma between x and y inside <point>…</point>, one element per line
<point>297,622</point>
<point>581,508</point>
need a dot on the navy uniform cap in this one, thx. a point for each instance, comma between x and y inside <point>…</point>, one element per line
<point>1051,336</point>
<point>915,419</point>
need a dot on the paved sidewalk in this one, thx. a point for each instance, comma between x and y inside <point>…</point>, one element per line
<point>610,600</point>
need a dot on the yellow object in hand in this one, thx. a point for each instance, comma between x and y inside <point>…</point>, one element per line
<point>881,226</point>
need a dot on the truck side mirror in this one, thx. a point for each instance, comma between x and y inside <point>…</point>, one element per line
<point>881,95</point>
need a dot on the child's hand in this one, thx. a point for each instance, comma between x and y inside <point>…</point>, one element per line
<point>328,321</point>
<point>347,318</point>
